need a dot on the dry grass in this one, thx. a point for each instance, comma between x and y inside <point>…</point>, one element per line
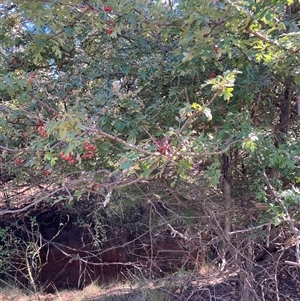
<point>115,292</point>
<point>88,293</point>
<point>13,294</point>
<point>91,292</point>
<point>172,287</point>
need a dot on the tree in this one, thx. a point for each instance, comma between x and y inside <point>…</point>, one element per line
<point>99,97</point>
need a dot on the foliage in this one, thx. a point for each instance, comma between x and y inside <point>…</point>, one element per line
<point>97,97</point>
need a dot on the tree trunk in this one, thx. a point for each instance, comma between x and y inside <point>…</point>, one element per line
<point>227,194</point>
<point>228,204</point>
<point>285,113</point>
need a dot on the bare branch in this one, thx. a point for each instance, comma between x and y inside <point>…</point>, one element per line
<point>34,203</point>
<point>288,216</point>
<point>250,229</point>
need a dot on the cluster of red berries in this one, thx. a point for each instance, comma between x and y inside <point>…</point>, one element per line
<point>90,148</point>
<point>110,28</point>
<point>107,9</point>
<point>163,146</point>
<point>69,157</point>
<point>31,77</point>
<point>110,24</point>
<point>41,129</point>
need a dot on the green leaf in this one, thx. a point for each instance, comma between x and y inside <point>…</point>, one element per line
<point>249,145</point>
<point>37,58</point>
<point>207,113</point>
<point>126,165</point>
<point>213,173</point>
<point>187,56</point>
<point>146,172</point>
<point>184,165</point>
<point>227,93</point>
<point>196,106</point>
<point>62,132</point>
<point>56,51</point>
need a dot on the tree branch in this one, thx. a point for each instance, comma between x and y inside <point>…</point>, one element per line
<point>289,218</point>
<point>193,117</point>
<point>100,134</point>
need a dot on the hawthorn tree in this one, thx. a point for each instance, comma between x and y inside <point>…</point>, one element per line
<point>97,96</point>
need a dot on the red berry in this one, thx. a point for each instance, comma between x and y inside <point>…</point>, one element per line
<point>109,31</point>
<point>90,148</point>
<point>63,156</point>
<point>42,131</point>
<point>107,9</point>
<point>18,161</point>
<point>47,172</point>
<point>212,75</point>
